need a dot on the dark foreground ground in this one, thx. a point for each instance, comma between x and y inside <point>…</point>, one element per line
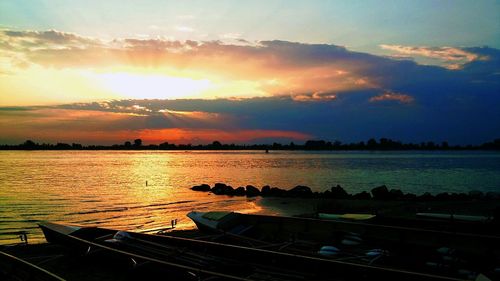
<point>62,262</point>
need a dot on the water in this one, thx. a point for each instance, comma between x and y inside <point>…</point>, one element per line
<point>108,188</point>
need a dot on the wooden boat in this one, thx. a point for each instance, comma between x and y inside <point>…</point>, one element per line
<point>14,268</point>
<point>406,244</point>
<point>215,260</point>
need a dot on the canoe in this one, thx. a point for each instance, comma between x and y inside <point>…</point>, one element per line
<point>406,244</point>
<point>14,268</point>
<point>98,241</point>
<point>227,262</point>
<point>349,217</point>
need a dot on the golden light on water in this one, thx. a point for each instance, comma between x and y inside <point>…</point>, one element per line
<point>110,189</point>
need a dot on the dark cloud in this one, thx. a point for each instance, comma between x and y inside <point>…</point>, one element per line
<point>350,117</point>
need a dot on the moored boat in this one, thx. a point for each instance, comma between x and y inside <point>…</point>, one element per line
<point>406,245</point>
<point>226,262</point>
<point>347,217</point>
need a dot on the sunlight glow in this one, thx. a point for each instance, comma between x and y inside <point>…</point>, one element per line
<point>153,86</point>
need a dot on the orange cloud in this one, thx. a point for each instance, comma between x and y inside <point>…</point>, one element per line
<point>453,58</point>
<point>104,127</point>
<point>390,96</point>
<point>318,96</point>
<point>178,135</point>
<point>271,67</point>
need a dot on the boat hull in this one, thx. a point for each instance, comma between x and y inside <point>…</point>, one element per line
<point>158,249</point>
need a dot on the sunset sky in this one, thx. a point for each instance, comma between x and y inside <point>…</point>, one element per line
<point>103,72</point>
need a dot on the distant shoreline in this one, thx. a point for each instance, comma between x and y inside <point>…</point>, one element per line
<point>311,145</point>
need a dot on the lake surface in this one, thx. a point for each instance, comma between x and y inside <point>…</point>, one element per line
<point>108,188</point>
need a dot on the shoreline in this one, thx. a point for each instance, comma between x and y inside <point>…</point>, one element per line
<point>379,193</point>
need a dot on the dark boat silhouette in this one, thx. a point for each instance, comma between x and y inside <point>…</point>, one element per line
<point>407,247</point>
<point>202,259</point>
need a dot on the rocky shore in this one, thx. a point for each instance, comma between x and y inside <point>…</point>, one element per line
<point>337,192</point>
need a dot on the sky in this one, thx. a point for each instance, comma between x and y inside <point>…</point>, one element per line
<point>104,72</point>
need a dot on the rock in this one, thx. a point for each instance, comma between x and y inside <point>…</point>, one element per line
<point>202,187</point>
<point>218,188</point>
<point>362,196</point>
<point>240,191</point>
<point>266,190</point>
<point>300,191</point>
<point>337,192</point>
<point>277,192</point>
<point>229,190</point>
<point>219,185</point>
<point>381,193</point>
<point>222,189</point>
<point>252,191</point>
<point>396,194</point>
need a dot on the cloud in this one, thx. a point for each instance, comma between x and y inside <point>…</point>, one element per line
<point>108,123</point>
<point>270,67</point>
<point>318,90</point>
<point>50,39</point>
<point>389,96</point>
<point>295,68</point>
<point>452,58</point>
<point>356,116</point>
<point>318,96</point>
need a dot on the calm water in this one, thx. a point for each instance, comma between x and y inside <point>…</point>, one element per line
<point>108,188</point>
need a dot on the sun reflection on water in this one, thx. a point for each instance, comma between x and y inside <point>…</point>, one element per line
<point>108,188</point>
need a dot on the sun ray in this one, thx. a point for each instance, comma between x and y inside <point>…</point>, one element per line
<point>153,86</point>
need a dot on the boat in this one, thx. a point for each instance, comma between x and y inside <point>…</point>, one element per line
<point>215,260</point>
<point>307,235</point>
<point>455,217</point>
<point>104,243</point>
<point>348,217</point>
<point>14,268</point>
<point>279,228</point>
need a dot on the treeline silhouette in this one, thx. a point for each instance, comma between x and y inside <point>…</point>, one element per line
<point>371,144</point>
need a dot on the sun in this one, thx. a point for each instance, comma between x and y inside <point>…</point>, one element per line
<point>153,86</point>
